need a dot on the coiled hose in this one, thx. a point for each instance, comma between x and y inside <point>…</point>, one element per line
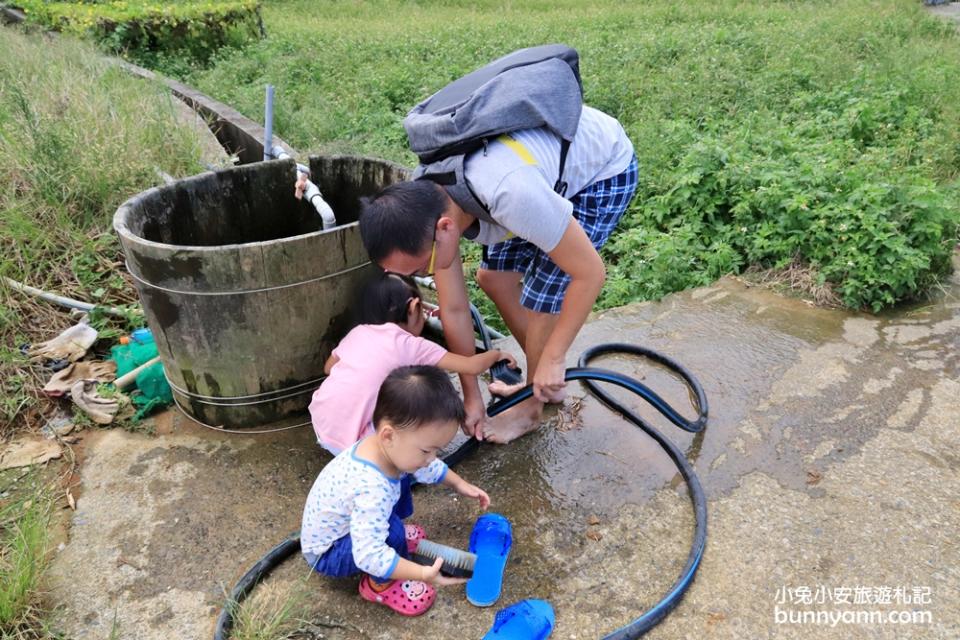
<point>589,376</point>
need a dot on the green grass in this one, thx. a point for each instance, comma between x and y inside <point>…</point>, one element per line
<point>273,612</point>
<point>15,387</point>
<point>742,114</point>
<point>24,547</point>
<point>346,73</point>
<point>78,136</point>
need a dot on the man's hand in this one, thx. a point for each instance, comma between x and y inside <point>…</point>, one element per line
<point>548,381</point>
<point>432,575</point>
<point>476,417</point>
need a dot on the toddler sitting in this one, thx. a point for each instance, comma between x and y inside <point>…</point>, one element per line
<point>350,521</point>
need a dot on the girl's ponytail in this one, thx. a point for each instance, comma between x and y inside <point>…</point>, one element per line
<point>385,298</point>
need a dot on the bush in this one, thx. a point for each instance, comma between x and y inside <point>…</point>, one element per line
<point>145,29</point>
<point>816,186</point>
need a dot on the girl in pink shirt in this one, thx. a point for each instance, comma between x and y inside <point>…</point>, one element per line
<point>392,317</point>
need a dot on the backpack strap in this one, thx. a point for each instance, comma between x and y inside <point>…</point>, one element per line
<point>448,173</point>
<point>561,186</point>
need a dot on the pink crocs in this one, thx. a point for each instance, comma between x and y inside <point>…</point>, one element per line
<point>415,534</point>
<point>408,597</point>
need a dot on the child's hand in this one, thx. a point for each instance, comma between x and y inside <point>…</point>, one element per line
<point>511,361</point>
<point>472,491</point>
<point>433,576</point>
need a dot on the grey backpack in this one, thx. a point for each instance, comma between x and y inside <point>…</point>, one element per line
<point>526,89</point>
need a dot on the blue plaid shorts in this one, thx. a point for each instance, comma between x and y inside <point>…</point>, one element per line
<point>598,209</point>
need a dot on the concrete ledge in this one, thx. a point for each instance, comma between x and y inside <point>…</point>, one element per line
<point>236,133</point>
<point>9,15</point>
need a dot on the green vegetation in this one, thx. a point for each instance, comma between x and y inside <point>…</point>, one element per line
<point>812,134</point>
<point>277,610</point>
<point>24,546</point>
<point>16,385</point>
<point>78,136</point>
<point>145,30</point>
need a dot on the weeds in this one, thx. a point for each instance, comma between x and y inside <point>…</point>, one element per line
<point>15,389</point>
<point>77,137</point>
<point>798,278</point>
<point>24,542</point>
<point>272,613</point>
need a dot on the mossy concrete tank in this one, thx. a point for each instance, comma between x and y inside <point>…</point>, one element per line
<point>244,293</point>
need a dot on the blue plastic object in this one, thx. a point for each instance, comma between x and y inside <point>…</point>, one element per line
<point>490,540</point>
<point>142,335</point>
<point>525,620</point>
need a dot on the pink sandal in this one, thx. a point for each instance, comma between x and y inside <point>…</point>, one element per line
<point>415,534</point>
<point>408,597</point>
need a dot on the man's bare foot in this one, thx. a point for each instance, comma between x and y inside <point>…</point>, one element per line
<point>502,389</point>
<point>513,423</point>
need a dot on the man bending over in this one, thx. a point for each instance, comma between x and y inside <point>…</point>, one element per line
<point>541,265</point>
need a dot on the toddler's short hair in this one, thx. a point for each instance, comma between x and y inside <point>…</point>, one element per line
<point>417,395</point>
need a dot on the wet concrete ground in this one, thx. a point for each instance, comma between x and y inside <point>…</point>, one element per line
<point>830,462</point>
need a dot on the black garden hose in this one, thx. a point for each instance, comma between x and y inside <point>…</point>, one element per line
<point>589,376</point>
<point>658,612</point>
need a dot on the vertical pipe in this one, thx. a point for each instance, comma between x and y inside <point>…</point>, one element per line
<point>268,125</point>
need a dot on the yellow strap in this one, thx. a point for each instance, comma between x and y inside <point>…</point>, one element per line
<point>518,148</point>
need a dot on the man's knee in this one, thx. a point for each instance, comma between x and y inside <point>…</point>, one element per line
<point>484,278</point>
<point>492,281</point>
